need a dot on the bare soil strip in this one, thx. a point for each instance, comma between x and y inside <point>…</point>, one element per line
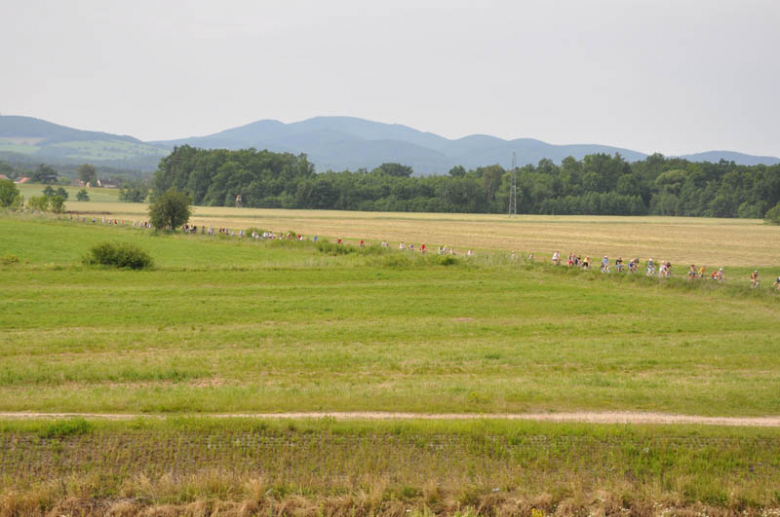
<point>612,417</point>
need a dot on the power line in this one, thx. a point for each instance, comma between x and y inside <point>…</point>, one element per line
<point>513,188</point>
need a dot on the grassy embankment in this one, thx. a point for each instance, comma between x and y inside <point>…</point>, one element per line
<point>250,467</point>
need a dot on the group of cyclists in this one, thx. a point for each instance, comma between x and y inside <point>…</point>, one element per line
<point>621,266</point>
<point>661,269</point>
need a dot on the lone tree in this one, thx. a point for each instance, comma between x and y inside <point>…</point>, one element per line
<point>8,193</point>
<point>170,210</point>
<point>57,204</point>
<point>82,195</point>
<point>44,174</point>
<point>88,174</point>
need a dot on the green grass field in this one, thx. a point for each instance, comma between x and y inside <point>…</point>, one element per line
<point>221,326</point>
<point>225,326</point>
<point>96,195</point>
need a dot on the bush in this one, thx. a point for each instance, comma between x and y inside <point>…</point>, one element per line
<point>394,261</point>
<point>134,192</point>
<point>82,195</point>
<point>66,428</point>
<point>446,260</point>
<point>118,254</point>
<point>772,215</point>
<point>330,248</point>
<point>39,203</point>
<point>7,260</point>
<point>8,193</point>
<point>17,204</point>
<point>57,204</point>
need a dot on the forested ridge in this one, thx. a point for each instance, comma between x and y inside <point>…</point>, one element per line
<point>599,184</point>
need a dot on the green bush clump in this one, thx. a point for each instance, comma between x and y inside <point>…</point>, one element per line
<point>123,255</point>
<point>330,248</point>
<point>66,428</point>
<point>374,249</point>
<point>446,260</point>
<point>7,260</point>
<point>394,260</point>
<point>772,215</point>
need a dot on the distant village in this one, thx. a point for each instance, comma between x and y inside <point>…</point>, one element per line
<point>73,183</point>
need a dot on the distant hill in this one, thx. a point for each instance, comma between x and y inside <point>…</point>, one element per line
<point>731,156</point>
<point>339,143</point>
<point>42,141</point>
<point>335,143</point>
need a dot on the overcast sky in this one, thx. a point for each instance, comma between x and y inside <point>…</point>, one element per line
<point>674,76</point>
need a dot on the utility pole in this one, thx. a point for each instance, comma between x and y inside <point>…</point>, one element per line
<point>513,188</point>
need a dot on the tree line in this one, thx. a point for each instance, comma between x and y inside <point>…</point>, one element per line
<point>63,174</point>
<point>599,184</point>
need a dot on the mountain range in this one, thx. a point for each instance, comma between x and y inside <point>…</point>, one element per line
<point>335,143</point>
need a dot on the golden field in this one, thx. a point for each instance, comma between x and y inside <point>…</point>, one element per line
<point>681,240</point>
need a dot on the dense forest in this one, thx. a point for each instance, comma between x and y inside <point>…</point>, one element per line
<point>598,184</point>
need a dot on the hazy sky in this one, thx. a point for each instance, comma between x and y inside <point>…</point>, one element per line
<point>672,76</point>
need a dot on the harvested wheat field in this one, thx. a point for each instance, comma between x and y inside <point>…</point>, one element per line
<point>682,240</point>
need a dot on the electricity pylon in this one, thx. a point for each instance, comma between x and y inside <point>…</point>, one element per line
<point>513,188</point>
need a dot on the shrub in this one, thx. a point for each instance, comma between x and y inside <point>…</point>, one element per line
<point>57,204</point>
<point>117,254</point>
<point>66,428</point>
<point>330,248</point>
<point>7,260</point>
<point>82,195</point>
<point>61,192</point>
<point>39,203</point>
<point>394,260</point>
<point>772,215</point>
<point>17,203</point>
<point>134,192</point>
<point>446,260</point>
<point>8,193</point>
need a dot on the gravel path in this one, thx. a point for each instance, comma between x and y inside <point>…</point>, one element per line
<point>611,417</point>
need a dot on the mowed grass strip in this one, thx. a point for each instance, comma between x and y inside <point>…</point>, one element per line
<point>343,333</point>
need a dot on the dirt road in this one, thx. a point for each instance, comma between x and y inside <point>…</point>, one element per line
<point>617,417</point>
